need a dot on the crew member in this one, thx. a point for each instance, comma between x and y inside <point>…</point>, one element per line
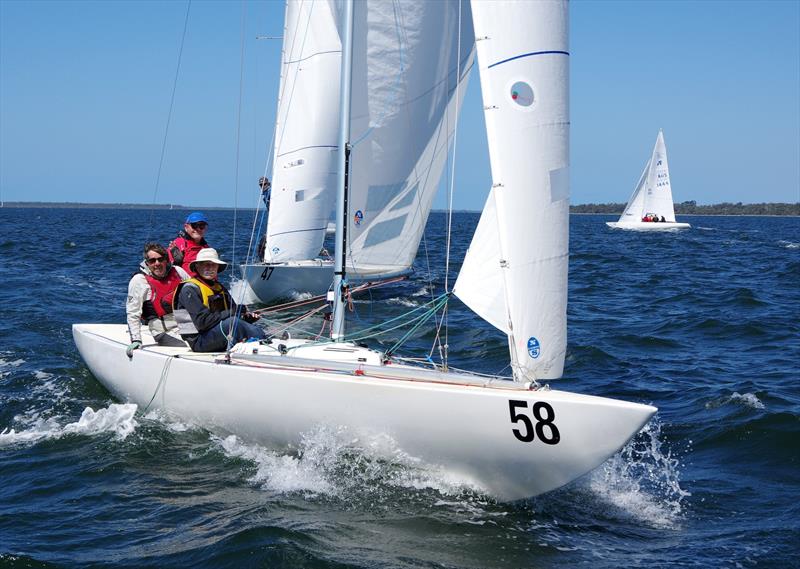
<point>205,311</point>
<point>150,295</point>
<point>190,241</point>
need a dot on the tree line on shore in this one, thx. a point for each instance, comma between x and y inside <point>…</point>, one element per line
<point>692,208</point>
<point>683,208</point>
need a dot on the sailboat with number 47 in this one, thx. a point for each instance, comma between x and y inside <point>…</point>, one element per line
<point>508,437</point>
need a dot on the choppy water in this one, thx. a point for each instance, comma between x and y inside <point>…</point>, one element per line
<point>704,324</point>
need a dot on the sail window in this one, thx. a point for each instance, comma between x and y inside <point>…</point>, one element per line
<point>378,197</point>
<point>407,199</point>
<point>299,195</point>
<point>385,231</point>
<point>522,94</point>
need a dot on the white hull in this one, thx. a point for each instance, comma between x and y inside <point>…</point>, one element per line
<point>274,281</point>
<point>648,226</point>
<point>458,422</point>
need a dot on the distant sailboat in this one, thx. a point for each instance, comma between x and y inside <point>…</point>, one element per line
<point>650,207</point>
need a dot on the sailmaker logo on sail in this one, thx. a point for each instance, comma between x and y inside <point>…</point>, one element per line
<point>534,348</point>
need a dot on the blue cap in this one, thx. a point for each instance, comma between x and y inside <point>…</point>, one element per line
<point>196,217</point>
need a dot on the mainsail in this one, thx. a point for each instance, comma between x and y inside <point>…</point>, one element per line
<point>411,61</point>
<point>515,271</point>
<point>304,171</point>
<point>653,193</point>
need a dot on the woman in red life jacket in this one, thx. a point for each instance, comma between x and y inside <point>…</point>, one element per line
<point>150,293</point>
<point>189,242</point>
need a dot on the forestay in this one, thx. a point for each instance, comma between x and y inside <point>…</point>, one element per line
<point>304,171</point>
<point>410,65</point>
<point>520,250</point>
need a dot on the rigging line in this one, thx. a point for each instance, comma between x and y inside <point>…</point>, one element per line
<point>451,192</point>
<point>235,322</point>
<point>169,114</point>
<point>161,381</point>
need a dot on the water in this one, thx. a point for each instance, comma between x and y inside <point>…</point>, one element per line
<point>704,324</point>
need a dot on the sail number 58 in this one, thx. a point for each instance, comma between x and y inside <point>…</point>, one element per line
<point>545,428</point>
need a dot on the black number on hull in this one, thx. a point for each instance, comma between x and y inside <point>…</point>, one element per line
<point>267,273</point>
<point>545,427</point>
<point>527,436</point>
<point>542,422</point>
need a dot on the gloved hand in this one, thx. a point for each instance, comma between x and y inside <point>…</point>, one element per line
<point>251,317</point>
<point>133,346</point>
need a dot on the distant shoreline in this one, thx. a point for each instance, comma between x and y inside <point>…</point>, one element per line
<point>776,209</point>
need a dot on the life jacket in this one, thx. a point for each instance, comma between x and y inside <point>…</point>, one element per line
<point>215,298</point>
<point>182,251</point>
<point>163,292</point>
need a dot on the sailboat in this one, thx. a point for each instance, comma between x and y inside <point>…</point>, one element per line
<point>406,119</point>
<point>511,438</point>
<point>650,207</point>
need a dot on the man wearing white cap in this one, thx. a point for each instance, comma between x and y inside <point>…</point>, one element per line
<point>189,242</point>
<point>205,311</point>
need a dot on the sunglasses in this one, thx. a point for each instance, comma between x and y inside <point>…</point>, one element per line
<point>199,225</point>
<point>153,260</point>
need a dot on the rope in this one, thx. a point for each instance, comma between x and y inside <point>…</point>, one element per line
<point>420,321</point>
<point>428,307</point>
<point>161,381</point>
<point>235,321</point>
<point>169,115</point>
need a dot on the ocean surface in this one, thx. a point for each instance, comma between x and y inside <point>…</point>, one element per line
<point>704,324</point>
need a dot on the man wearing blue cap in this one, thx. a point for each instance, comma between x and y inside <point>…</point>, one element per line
<point>184,248</point>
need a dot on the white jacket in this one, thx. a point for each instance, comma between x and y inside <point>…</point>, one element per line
<point>138,291</point>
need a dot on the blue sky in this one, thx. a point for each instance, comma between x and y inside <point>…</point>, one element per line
<point>85,90</point>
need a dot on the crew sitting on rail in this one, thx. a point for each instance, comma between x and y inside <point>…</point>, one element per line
<point>205,311</point>
<point>150,293</point>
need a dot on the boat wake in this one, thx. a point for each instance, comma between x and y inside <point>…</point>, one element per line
<point>331,462</point>
<point>642,481</point>
<point>116,418</point>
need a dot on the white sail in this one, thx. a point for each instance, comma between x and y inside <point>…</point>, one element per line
<point>634,211</point>
<point>653,193</point>
<point>304,171</point>
<point>524,71</point>
<point>659,192</point>
<point>407,67</point>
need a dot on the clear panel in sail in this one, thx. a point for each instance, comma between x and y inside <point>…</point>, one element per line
<point>304,166</point>
<point>524,67</point>
<point>409,77</point>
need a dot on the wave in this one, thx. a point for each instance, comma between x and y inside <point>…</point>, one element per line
<point>747,400</point>
<point>116,418</point>
<point>789,244</point>
<point>642,481</point>
<point>332,462</point>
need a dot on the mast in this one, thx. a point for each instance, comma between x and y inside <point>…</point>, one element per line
<point>339,281</point>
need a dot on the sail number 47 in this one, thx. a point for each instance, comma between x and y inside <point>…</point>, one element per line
<point>544,428</point>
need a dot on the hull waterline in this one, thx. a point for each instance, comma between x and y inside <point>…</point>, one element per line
<point>649,226</point>
<point>496,435</point>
